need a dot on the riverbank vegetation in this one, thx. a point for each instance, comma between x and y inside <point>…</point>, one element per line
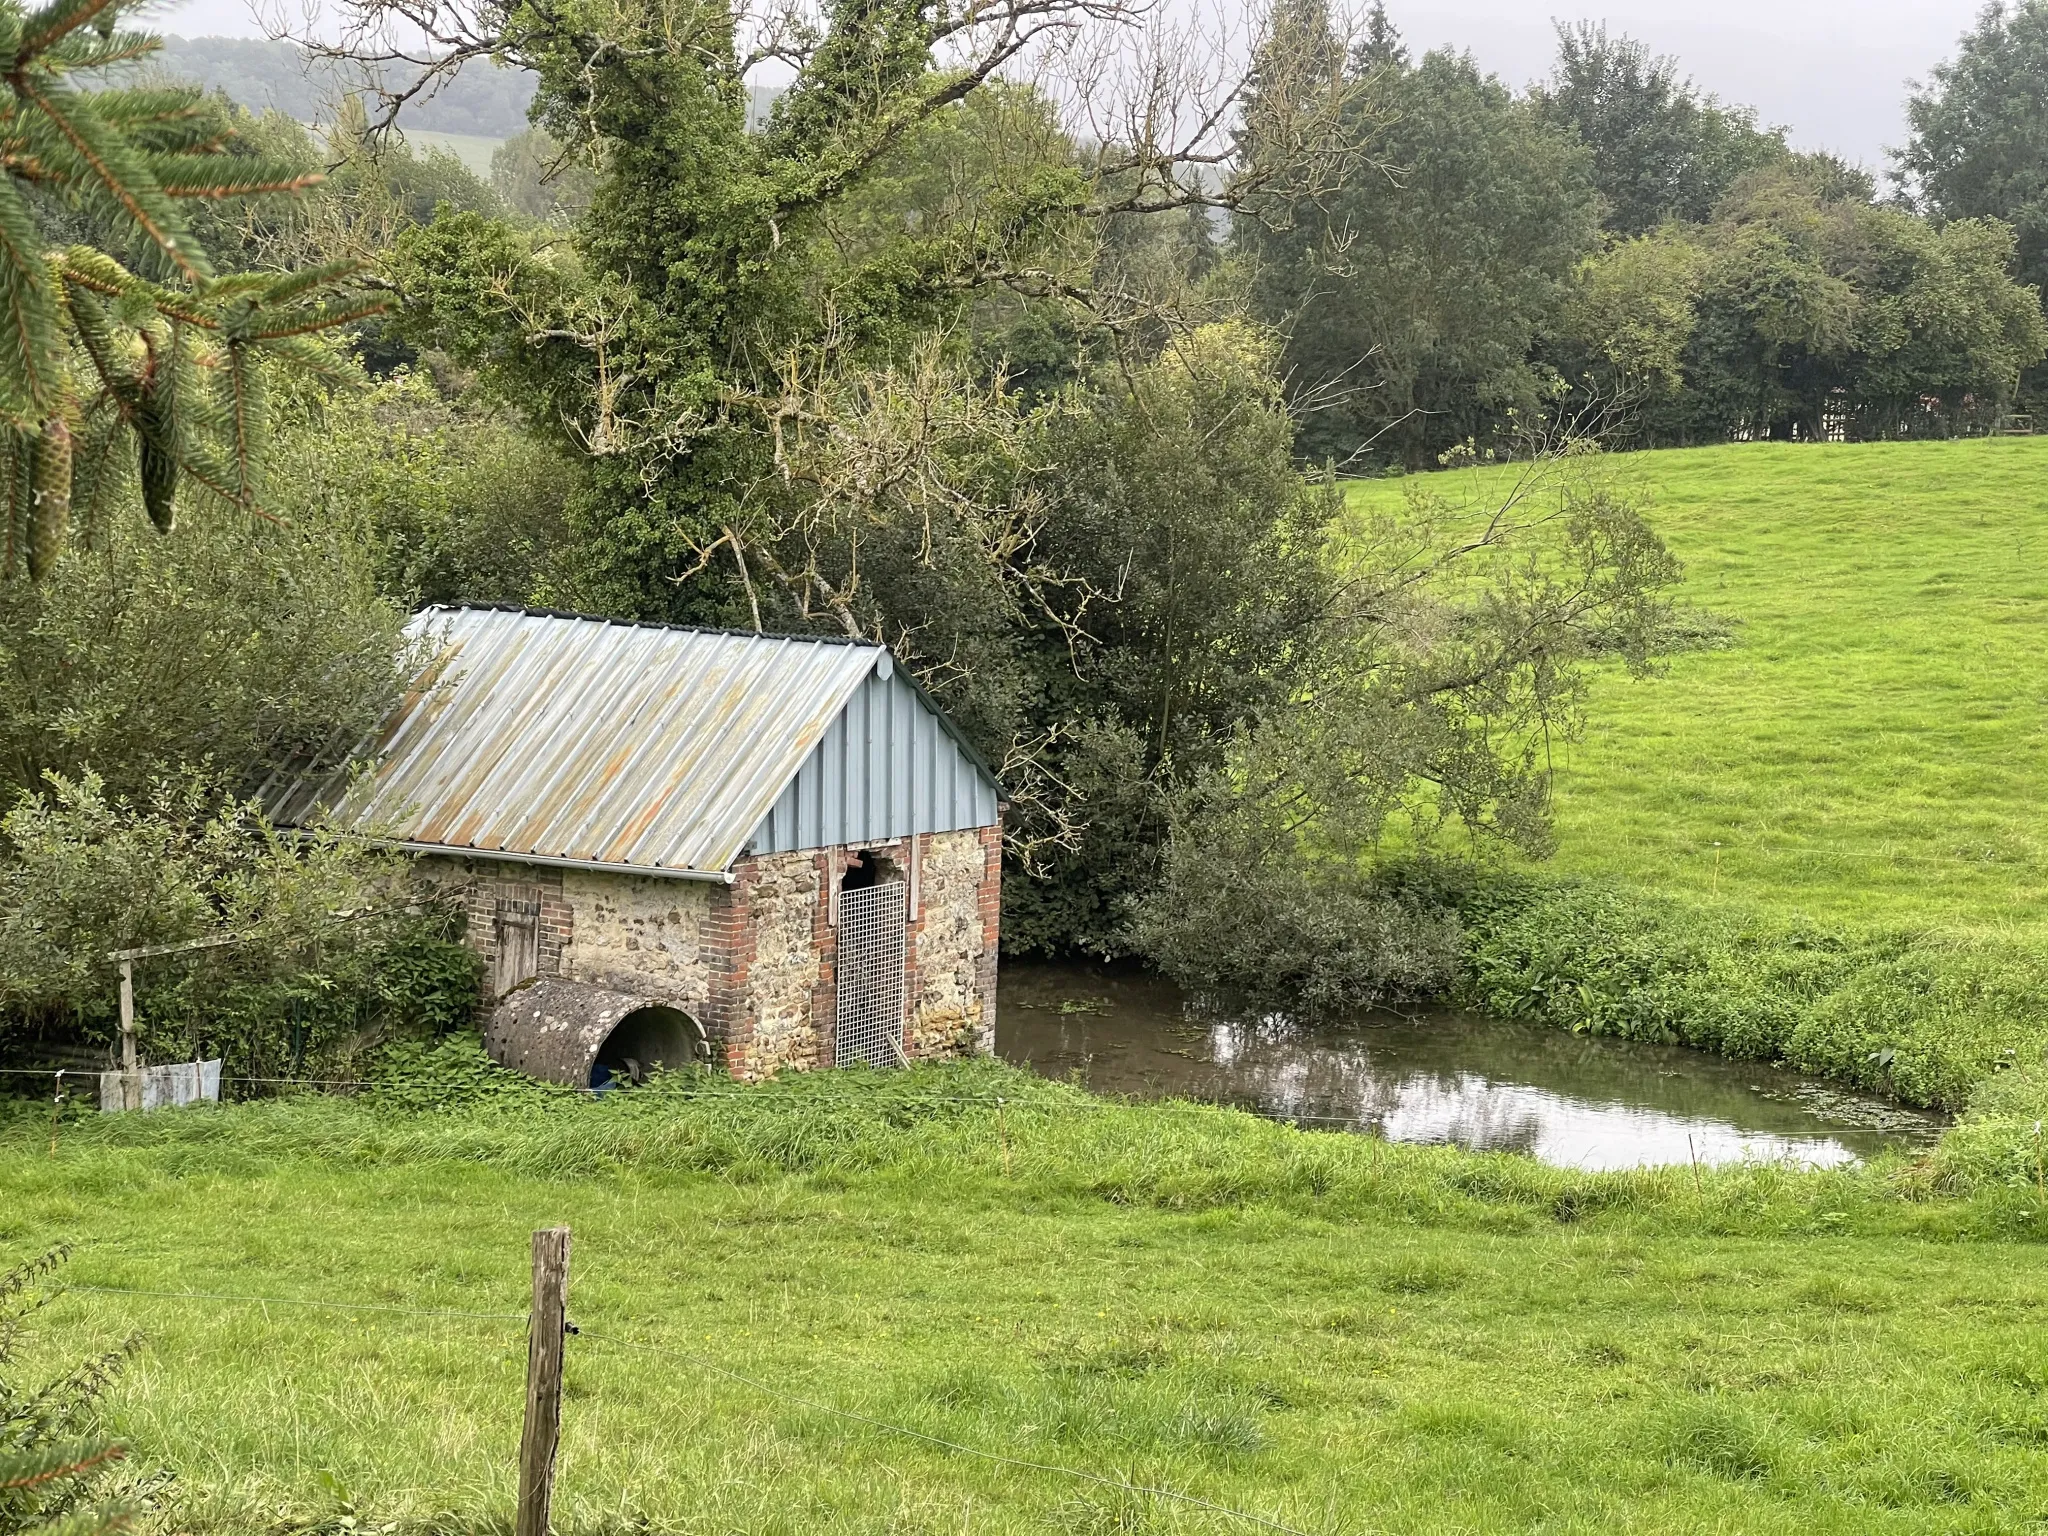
<point>1810,835</point>
<point>914,355</point>
<point>1320,1330</point>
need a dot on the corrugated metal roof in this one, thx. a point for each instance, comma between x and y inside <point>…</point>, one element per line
<point>561,738</point>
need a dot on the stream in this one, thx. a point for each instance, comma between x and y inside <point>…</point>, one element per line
<point>1439,1075</point>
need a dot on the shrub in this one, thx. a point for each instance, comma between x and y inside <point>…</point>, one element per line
<point>1294,935</point>
<point>2002,1138</point>
<point>333,945</point>
<point>54,1471</point>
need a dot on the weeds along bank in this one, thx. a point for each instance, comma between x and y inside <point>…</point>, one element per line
<point>1814,833</point>
<point>1313,1328</point>
<point>1926,1017</point>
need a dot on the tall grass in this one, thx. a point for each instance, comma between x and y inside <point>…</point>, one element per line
<point>1925,1017</point>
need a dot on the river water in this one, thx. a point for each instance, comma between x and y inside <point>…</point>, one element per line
<point>1441,1076</point>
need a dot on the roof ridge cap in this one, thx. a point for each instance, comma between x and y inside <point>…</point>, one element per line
<point>528,611</point>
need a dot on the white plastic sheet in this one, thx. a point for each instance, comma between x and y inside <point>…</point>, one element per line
<point>171,1086</point>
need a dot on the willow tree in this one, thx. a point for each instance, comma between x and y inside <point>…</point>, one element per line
<point>128,359</point>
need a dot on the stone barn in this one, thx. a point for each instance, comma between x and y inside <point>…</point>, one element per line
<point>772,852</point>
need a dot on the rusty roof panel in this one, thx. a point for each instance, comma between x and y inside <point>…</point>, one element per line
<point>558,737</point>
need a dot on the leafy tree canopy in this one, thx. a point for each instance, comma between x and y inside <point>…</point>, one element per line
<point>1413,294</point>
<point>1978,146</point>
<point>1802,309</point>
<point>1661,150</point>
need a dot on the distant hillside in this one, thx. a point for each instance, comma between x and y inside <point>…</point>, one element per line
<point>482,100</point>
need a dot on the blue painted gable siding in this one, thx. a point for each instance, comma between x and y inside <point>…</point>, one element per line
<point>885,768</point>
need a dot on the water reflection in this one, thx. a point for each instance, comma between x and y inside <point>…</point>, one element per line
<point>1442,1077</point>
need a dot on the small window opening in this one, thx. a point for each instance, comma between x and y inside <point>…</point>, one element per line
<point>870,869</point>
<point>645,1040</point>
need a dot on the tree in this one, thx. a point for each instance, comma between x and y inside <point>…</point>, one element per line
<point>1633,313</point>
<point>1815,307</point>
<point>1661,150</point>
<point>451,502</point>
<point>159,357</point>
<point>1450,669</point>
<point>1194,598</point>
<point>243,645</point>
<point>1412,295</point>
<point>332,943</point>
<point>1978,141</point>
<point>721,277</point>
<point>537,178</point>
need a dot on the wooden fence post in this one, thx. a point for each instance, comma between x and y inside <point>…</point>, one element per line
<point>546,1328</point>
<point>131,1065</point>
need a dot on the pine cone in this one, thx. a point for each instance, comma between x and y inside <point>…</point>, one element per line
<point>159,467</point>
<point>50,510</point>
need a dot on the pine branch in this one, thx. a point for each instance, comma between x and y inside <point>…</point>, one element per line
<point>132,107</point>
<point>245,403</point>
<point>30,347</point>
<point>85,267</point>
<point>310,358</point>
<point>295,284</point>
<point>21,1470</point>
<point>180,176</point>
<point>80,55</point>
<point>108,160</point>
<point>52,24</point>
<point>103,1520</point>
<point>323,319</point>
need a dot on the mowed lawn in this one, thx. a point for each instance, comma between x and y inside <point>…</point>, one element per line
<point>1334,1336</point>
<point>1872,748</point>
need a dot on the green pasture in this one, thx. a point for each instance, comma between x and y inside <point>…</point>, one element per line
<point>474,150</point>
<point>1335,1335</point>
<point>1871,747</point>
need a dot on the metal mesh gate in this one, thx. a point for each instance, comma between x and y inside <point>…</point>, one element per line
<point>870,975</point>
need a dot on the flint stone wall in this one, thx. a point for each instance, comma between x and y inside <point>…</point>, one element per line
<point>753,961</point>
<point>952,1000</point>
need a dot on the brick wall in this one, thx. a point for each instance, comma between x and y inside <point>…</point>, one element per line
<point>952,972</point>
<point>762,949</point>
<point>480,884</point>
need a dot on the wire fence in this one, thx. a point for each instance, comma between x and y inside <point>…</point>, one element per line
<point>751,1099</point>
<point>703,1363</point>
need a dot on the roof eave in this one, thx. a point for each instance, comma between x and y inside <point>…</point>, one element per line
<point>596,866</point>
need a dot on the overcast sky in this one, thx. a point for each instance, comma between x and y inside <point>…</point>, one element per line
<point>1834,72</point>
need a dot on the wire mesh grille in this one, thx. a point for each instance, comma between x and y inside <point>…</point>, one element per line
<point>870,975</point>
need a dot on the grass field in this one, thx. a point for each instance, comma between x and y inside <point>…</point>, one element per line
<point>472,149</point>
<point>1335,1335</point>
<point>1873,746</point>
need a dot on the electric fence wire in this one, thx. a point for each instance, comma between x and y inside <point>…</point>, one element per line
<point>294,1301</point>
<point>702,1363</point>
<point>872,1102</point>
<point>1142,1489</point>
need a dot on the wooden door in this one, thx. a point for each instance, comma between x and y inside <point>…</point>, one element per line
<point>515,935</point>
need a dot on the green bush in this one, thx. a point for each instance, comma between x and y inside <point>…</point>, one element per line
<point>1924,1017</point>
<point>332,945</point>
<point>56,1474</point>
